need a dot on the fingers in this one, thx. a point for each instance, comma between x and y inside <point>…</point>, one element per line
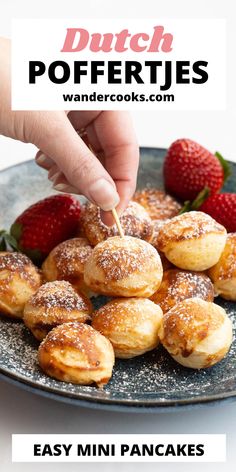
<point>117,137</point>
<point>57,178</point>
<point>82,119</point>
<point>44,161</point>
<point>61,184</point>
<point>113,133</point>
<point>77,163</point>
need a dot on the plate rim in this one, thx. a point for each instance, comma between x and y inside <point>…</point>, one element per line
<point>118,406</point>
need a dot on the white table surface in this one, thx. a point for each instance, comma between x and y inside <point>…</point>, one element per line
<point>23,412</point>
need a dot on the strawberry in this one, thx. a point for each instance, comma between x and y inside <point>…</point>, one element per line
<point>188,168</point>
<point>44,225</point>
<point>222,207</point>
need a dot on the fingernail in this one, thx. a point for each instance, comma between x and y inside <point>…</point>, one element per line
<point>104,194</point>
<point>107,218</point>
<point>43,160</point>
<point>54,176</point>
<point>61,187</point>
<point>65,188</point>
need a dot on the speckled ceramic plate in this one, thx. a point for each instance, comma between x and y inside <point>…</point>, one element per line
<point>147,383</point>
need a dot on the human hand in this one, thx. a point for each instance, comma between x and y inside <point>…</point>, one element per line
<point>107,179</point>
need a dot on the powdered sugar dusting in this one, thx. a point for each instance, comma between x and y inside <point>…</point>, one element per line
<point>78,335</point>
<point>189,322</point>
<point>159,205</point>
<point>120,257</point>
<point>71,256</point>
<point>151,377</point>
<point>194,282</point>
<point>227,263</point>
<point>157,225</point>
<point>178,285</point>
<point>13,261</point>
<point>58,293</point>
<point>135,222</point>
<point>15,265</point>
<point>193,224</point>
<point>128,314</point>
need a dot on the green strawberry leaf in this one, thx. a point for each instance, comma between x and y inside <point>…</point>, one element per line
<point>7,241</point>
<point>225,165</point>
<point>34,254</point>
<point>186,207</point>
<point>195,204</point>
<point>200,198</point>
<point>16,231</point>
<point>11,241</point>
<point>3,245</point>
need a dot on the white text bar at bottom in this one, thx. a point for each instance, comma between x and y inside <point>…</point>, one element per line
<point>118,447</point>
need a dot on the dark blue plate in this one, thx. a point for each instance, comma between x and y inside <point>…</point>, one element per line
<point>152,382</point>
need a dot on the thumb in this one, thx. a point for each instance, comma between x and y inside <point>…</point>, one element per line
<point>57,138</point>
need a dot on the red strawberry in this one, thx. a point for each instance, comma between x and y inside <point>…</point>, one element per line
<point>222,207</point>
<point>45,224</point>
<point>188,168</point>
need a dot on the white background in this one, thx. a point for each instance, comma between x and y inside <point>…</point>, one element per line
<point>187,44</point>
<point>22,412</point>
